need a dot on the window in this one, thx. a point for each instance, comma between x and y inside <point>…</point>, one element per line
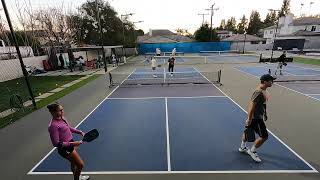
<point>271,32</point>
<point>313,28</point>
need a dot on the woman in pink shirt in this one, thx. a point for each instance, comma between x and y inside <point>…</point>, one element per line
<point>61,137</point>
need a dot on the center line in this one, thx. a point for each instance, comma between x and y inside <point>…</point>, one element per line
<point>168,138</point>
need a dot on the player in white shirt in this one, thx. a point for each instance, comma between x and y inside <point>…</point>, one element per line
<point>158,52</point>
<point>114,60</point>
<point>173,53</point>
<point>153,66</point>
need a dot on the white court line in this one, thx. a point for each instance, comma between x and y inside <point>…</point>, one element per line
<point>315,69</point>
<point>286,71</point>
<point>164,75</point>
<point>168,136</point>
<point>281,86</point>
<point>314,94</point>
<point>298,92</point>
<point>313,169</point>
<point>176,172</point>
<point>31,171</point>
<point>160,97</point>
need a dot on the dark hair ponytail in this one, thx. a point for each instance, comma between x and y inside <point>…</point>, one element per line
<point>53,107</point>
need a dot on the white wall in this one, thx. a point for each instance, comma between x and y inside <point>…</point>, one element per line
<point>312,43</point>
<point>238,46</point>
<point>10,51</point>
<point>11,69</point>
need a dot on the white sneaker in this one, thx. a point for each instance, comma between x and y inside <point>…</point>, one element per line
<point>243,150</point>
<point>254,155</point>
<point>84,177</point>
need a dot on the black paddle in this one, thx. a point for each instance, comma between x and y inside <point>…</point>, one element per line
<point>250,134</point>
<point>91,135</point>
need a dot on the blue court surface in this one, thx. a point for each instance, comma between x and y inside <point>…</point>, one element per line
<point>171,129</point>
<point>233,59</point>
<point>308,88</point>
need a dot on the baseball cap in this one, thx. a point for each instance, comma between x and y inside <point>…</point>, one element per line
<point>267,77</point>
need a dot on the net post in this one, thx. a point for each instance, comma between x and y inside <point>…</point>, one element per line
<point>110,80</point>
<point>219,76</point>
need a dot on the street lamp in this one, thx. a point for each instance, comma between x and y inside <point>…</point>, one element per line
<point>212,12</point>
<point>275,35</point>
<point>310,7</point>
<point>134,31</point>
<point>122,19</point>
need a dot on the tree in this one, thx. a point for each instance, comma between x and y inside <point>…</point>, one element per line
<point>242,26</point>
<point>285,9</point>
<point>53,24</point>
<point>86,29</point>
<point>183,32</point>
<point>203,34</point>
<point>222,25</point>
<point>254,23</point>
<point>231,25</point>
<point>270,19</point>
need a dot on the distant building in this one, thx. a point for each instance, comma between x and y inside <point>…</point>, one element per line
<point>162,36</point>
<point>222,34</point>
<point>240,42</point>
<point>295,33</point>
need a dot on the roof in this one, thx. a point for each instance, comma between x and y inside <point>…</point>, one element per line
<point>88,48</point>
<point>163,39</point>
<point>306,21</point>
<point>223,32</point>
<point>161,32</point>
<point>242,37</point>
<point>302,33</point>
<point>300,22</point>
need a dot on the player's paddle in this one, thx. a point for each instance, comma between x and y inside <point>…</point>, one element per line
<point>91,135</point>
<point>250,134</point>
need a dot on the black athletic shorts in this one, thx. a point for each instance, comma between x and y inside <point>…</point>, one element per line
<point>170,68</point>
<point>259,127</point>
<point>65,151</point>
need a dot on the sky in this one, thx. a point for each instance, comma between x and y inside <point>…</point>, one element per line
<point>173,14</point>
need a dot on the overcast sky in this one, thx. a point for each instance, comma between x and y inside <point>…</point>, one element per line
<point>173,14</point>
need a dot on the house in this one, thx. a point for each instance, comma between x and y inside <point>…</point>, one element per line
<point>240,42</point>
<point>162,36</point>
<point>294,33</point>
<point>222,34</point>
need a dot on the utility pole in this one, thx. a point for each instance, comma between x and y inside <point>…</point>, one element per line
<point>101,38</point>
<point>203,14</point>
<point>24,71</point>
<point>211,9</point>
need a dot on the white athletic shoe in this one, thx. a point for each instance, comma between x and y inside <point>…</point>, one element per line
<point>243,150</point>
<point>154,76</point>
<point>254,155</point>
<point>84,177</point>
